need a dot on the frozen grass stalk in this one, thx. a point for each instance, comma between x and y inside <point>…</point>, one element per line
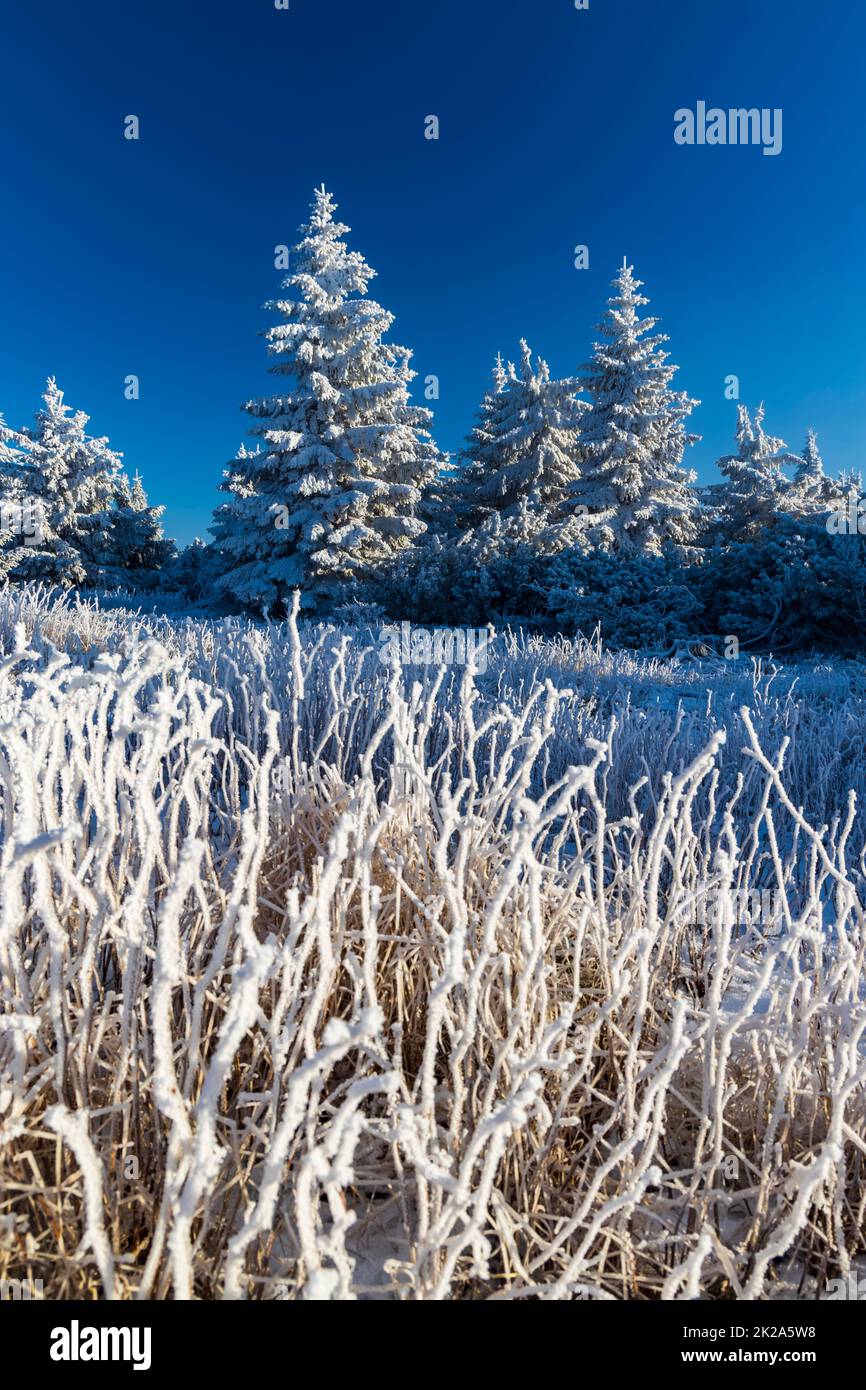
<point>320,979</point>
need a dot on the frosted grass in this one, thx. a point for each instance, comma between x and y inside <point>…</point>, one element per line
<point>325,980</point>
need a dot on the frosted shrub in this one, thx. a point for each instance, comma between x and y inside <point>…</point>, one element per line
<point>476,577</point>
<point>794,589</point>
<point>323,981</point>
<point>636,600</point>
<point>94,526</point>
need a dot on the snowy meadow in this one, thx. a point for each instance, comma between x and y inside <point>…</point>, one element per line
<point>328,977</point>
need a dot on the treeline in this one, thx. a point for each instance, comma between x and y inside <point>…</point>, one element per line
<point>571,505</point>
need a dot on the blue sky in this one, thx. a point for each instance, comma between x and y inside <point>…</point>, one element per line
<point>155,257</point>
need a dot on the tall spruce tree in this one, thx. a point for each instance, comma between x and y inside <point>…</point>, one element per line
<point>521,453</point>
<point>632,492</point>
<point>333,489</point>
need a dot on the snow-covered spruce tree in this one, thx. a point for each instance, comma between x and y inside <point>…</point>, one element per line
<point>812,493</point>
<point>480,457</point>
<point>633,493</point>
<point>333,490</point>
<point>756,487</point>
<point>521,452</point>
<point>18,512</point>
<point>190,572</point>
<point>135,545</point>
<point>71,480</point>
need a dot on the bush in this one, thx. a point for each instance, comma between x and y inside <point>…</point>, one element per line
<point>481,577</point>
<point>644,601</point>
<point>797,588</point>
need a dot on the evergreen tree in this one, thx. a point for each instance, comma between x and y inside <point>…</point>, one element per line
<point>20,516</point>
<point>756,486</point>
<point>71,481</point>
<point>633,493</point>
<point>521,453</point>
<point>136,545</point>
<point>812,493</point>
<point>191,572</point>
<point>481,456</point>
<point>333,490</point>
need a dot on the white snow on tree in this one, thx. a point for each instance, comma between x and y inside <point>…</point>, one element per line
<point>812,493</point>
<point>521,453</point>
<point>72,479</point>
<point>136,544</point>
<point>79,520</point>
<point>633,493</point>
<point>756,485</point>
<point>334,488</point>
<point>439,506</point>
<point>20,514</point>
<point>481,456</point>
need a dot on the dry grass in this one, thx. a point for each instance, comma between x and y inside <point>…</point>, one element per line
<point>321,981</point>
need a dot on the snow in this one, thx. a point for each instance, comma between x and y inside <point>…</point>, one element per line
<point>431,1015</point>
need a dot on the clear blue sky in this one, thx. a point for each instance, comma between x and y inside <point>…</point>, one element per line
<point>155,257</point>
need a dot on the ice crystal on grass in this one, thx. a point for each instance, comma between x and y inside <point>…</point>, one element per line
<point>474,999</point>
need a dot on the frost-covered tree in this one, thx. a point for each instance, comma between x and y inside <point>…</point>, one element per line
<point>332,492</point>
<point>190,572</point>
<point>136,544</point>
<point>480,456</point>
<point>633,493</point>
<point>71,481</point>
<point>812,493</point>
<point>20,519</point>
<point>521,452</point>
<point>70,514</point>
<point>756,487</point>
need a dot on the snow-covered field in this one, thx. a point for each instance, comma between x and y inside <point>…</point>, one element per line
<point>324,979</point>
